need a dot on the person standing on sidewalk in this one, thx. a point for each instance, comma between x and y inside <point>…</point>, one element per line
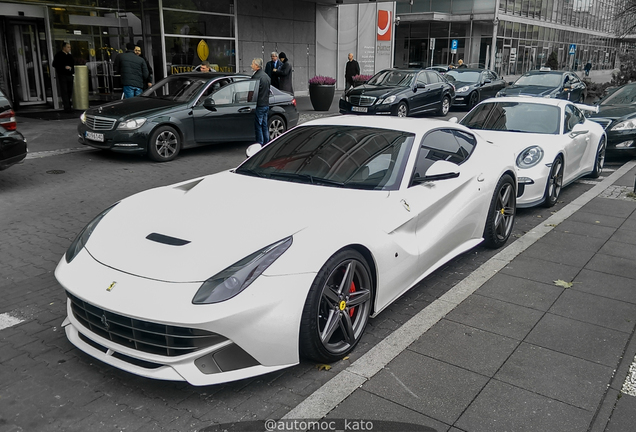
<point>274,63</point>
<point>351,69</point>
<point>284,74</point>
<point>262,103</point>
<point>133,70</point>
<point>64,67</point>
<point>138,52</point>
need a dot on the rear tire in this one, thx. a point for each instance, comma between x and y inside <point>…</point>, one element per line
<point>164,144</point>
<point>501,213</point>
<point>276,126</point>
<point>444,107</point>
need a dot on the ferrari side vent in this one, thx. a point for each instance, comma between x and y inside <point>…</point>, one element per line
<point>172,241</point>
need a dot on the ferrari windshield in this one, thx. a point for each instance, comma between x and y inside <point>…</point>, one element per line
<point>514,117</point>
<point>461,76</point>
<point>540,80</point>
<point>176,88</point>
<point>353,157</point>
<point>622,96</point>
<point>392,78</point>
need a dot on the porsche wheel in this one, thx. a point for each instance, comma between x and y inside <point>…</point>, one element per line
<point>473,100</point>
<point>444,107</point>
<point>501,215</point>
<point>337,308</point>
<point>554,184</point>
<point>276,126</point>
<point>599,163</point>
<point>164,144</point>
<point>402,110</point>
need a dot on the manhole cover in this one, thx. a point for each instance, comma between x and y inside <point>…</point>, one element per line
<point>55,172</point>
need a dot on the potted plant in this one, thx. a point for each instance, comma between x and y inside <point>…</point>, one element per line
<point>360,79</point>
<point>321,92</point>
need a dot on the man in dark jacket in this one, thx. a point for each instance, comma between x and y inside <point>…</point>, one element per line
<point>138,52</point>
<point>352,69</point>
<point>262,103</point>
<point>133,70</point>
<point>284,74</point>
<point>64,67</point>
<point>274,63</point>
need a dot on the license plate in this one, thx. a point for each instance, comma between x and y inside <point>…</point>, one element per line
<point>359,109</point>
<point>95,136</point>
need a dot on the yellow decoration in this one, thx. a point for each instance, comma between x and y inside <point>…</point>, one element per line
<point>203,50</point>
<point>92,51</point>
<point>343,305</point>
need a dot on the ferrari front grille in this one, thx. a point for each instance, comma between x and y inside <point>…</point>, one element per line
<point>100,123</point>
<point>362,100</point>
<point>146,336</point>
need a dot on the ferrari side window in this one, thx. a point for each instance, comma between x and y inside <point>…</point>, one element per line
<point>443,144</point>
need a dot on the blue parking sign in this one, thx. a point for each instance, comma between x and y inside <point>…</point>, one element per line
<point>454,46</point>
<point>572,49</point>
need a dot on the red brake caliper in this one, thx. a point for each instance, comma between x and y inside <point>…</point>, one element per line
<point>352,289</point>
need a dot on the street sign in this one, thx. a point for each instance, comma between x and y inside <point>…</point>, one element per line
<point>572,49</point>
<point>432,44</point>
<point>513,55</point>
<point>454,44</point>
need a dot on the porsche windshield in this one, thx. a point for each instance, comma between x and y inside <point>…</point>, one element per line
<point>514,117</point>
<point>176,88</point>
<point>393,78</point>
<point>540,80</point>
<point>353,157</point>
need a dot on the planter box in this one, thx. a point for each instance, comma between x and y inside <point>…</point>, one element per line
<point>321,96</point>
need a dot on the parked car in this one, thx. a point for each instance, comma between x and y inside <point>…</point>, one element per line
<point>182,111</point>
<point>549,84</point>
<point>352,212</point>
<point>442,69</point>
<point>13,145</point>
<point>474,85</point>
<point>400,92</point>
<point>617,114</point>
<point>554,142</point>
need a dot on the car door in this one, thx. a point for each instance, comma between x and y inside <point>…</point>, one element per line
<point>577,138</point>
<point>436,84</point>
<point>231,118</point>
<point>420,95</point>
<point>490,85</point>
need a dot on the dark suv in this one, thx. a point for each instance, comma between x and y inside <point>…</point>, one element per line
<point>400,92</point>
<point>13,145</point>
<point>548,83</point>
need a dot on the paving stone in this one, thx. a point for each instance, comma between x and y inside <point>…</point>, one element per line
<point>368,406</point>
<point>501,407</point>
<point>466,347</point>
<point>495,316</point>
<point>619,249</point>
<point>605,285</point>
<point>568,379</point>
<point>560,254</point>
<point>594,218</point>
<point>613,265</point>
<point>587,341</point>
<point>605,206</point>
<point>629,224</point>
<point>428,386</point>
<point>585,229</point>
<point>624,415</point>
<point>624,235</point>
<point>540,270</point>
<point>523,292</point>
<point>596,310</point>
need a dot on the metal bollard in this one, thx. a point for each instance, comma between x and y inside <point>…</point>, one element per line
<point>80,88</point>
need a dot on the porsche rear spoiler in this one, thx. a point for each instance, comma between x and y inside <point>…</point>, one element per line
<point>589,108</point>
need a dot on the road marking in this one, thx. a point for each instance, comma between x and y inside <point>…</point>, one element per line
<point>43,154</point>
<point>337,389</point>
<point>629,386</point>
<point>7,321</point>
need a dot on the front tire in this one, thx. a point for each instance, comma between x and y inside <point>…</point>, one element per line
<point>276,126</point>
<point>444,107</point>
<point>402,110</point>
<point>473,100</point>
<point>554,184</point>
<point>599,163</point>
<point>337,308</point>
<point>501,214</point>
<point>164,144</point>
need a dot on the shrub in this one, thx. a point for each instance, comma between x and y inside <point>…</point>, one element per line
<point>552,62</point>
<point>322,80</point>
<point>360,79</point>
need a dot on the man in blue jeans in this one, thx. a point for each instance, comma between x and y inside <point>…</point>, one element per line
<point>133,70</point>
<point>262,103</point>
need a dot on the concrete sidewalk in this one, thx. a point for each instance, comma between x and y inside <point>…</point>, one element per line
<point>540,338</point>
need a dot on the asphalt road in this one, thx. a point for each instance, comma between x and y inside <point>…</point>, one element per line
<point>48,384</point>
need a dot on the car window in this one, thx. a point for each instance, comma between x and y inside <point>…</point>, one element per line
<point>393,78</point>
<point>421,78</point>
<point>213,87</point>
<point>543,80</point>
<point>464,76</point>
<point>515,117</point>
<point>176,88</point>
<point>443,144</point>
<point>432,77</point>
<point>572,117</point>
<point>623,96</point>
<point>236,93</point>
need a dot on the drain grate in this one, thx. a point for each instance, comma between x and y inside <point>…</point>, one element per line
<point>55,172</point>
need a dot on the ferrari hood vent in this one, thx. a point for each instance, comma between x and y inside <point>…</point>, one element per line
<point>172,241</point>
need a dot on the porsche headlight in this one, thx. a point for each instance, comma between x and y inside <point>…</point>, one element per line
<point>240,275</point>
<point>82,238</point>
<point>462,89</point>
<point>625,125</point>
<point>83,117</point>
<point>131,124</point>
<point>530,157</point>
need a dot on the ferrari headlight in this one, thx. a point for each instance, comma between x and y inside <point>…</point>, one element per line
<point>83,117</point>
<point>82,238</point>
<point>131,124</point>
<point>625,125</point>
<point>462,89</point>
<point>530,157</point>
<point>240,275</point>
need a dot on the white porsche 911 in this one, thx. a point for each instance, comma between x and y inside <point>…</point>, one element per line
<point>289,254</point>
<point>555,144</point>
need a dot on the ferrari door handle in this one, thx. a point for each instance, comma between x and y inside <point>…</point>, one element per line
<point>245,110</point>
<point>481,178</point>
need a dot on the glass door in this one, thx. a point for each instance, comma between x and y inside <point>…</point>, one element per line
<point>30,79</point>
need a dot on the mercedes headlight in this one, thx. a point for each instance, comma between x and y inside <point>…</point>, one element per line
<point>82,238</point>
<point>131,124</point>
<point>625,125</point>
<point>462,89</point>
<point>83,117</point>
<point>240,275</point>
<point>530,157</point>
<point>388,100</point>
<point>500,93</point>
